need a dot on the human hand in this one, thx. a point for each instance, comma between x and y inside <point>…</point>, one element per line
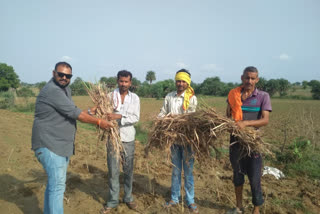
<point>241,124</point>
<point>105,124</point>
<point>112,116</point>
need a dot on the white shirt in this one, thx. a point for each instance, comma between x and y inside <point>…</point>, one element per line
<point>130,111</point>
<point>173,104</point>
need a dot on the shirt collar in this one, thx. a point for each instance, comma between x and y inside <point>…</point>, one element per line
<point>255,92</point>
<point>181,95</point>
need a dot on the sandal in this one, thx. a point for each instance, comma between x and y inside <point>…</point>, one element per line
<point>132,205</point>
<point>105,210</point>
<point>193,208</point>
<point>170,203</point>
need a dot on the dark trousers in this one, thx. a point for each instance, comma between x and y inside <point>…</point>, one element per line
<point>249,164</point>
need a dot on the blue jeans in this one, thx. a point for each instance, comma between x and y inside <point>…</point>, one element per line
<point>56,169</point>
<point>182,157</point>
<point>114,172</point>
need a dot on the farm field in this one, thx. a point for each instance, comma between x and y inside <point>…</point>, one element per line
<point>22,178</point>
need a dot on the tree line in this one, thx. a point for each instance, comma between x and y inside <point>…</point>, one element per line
<point>211,86</point>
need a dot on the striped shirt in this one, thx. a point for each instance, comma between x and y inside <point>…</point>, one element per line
<point>253,106</point>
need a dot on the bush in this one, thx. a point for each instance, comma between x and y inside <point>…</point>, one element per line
<point>300,159</point>
<point>7,99</point>
<point>25,92</point>
<point>315,89</point>
<point>27,107</point>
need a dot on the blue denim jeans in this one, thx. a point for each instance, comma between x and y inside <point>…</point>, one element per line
<point>182,157</point>
<point>114,172</point>
<point>56,169</point>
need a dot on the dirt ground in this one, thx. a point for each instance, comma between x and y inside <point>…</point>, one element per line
<point>22,179</point>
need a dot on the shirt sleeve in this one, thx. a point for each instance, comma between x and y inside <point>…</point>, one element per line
<point>165,107</point>
<point>193,104</point>
<point>266,103</point>
<point>58,99</point>
<point>133,115</point>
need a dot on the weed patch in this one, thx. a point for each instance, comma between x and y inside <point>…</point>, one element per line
<point>300,158</point>
<point>141,133</point>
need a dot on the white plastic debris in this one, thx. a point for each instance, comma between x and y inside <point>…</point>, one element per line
<point>272,171</point>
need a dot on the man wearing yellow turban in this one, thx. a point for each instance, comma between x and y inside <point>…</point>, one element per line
<point>179,102</point>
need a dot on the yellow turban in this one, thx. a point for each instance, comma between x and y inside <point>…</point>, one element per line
<point>189,92</point>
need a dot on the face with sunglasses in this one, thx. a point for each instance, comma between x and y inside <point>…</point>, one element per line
<point>62,76</point>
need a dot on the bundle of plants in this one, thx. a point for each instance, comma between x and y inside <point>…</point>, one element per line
<point>102,99</point>
<point>201,130</point>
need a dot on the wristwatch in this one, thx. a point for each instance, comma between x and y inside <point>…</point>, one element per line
<point>89,111</point>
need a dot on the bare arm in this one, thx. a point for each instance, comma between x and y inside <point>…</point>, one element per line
<point>264,120</point>
<point>86,118</point>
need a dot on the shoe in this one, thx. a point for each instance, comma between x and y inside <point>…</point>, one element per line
<point>193,208</point>
<point>132,205</point>
<point>236,210</point>
<point>105,210</point>
<point>170,203</point>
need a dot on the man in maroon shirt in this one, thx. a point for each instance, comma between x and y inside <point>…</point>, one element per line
<point>255,107</point>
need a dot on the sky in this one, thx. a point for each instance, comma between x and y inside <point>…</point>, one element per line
<point>208,37</point>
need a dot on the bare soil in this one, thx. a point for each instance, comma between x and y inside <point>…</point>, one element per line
<point>23,181</point>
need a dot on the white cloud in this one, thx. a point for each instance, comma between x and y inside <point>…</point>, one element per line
<point>181,65</point>
<point>284,57</point>
<point>66,58</point>
<point>211,67</point>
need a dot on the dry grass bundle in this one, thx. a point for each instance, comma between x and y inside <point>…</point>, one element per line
<point>100,96</point>
<point>200,130</point>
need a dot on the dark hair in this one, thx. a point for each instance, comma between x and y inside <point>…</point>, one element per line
<point>65,64</point>
<point>250,69</point>
<point>124,73</point>
<point>184,70</point>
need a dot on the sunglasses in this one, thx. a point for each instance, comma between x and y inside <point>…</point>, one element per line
<point>61,75</point>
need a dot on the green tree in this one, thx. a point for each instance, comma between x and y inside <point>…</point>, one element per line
<point>144,90</point>
<point>135,84</point>
<point>111,82</point>
<point>304,84</point>
<point>315,90</point>
<point>284,86</point>
<point>78,88</point>
<point>213,86</point>
<point>151,76</point>
<point>262,84</point>
<point>272,87</point>
<point>8,78</point>
<point>312,83</point>
<point>40,85</point>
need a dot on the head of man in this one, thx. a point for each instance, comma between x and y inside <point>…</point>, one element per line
<point>250,78</point>
<point>183,80</point>
<point>124,81</point>
<point>62,74</point>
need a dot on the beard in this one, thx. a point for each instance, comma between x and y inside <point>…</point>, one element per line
<point>61,83</point>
